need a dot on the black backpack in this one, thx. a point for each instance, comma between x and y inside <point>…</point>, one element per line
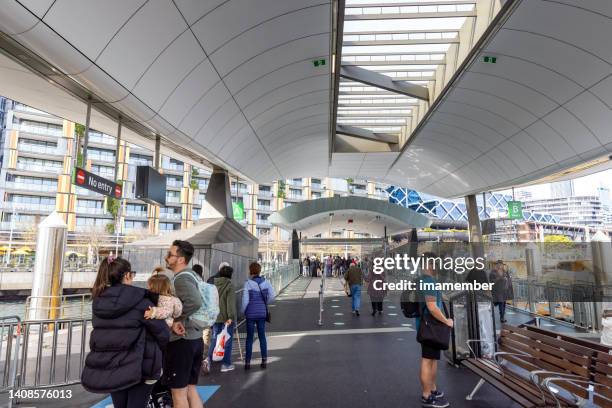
<point>410,303</point>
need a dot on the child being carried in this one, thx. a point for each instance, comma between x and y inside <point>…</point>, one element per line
<point>169,307</point>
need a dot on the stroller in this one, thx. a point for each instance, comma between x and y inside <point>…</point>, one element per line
<point>160,396</point>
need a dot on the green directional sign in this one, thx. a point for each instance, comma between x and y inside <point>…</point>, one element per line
<point>490,59</point>
<point>238,210</point>
<point>515,210</point>
<point>319,62</point>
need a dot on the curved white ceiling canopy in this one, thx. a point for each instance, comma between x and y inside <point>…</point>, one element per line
<point>234,82</point>
<point>224,79</point>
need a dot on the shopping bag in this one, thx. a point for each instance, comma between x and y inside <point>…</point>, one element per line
<point>219,350</point>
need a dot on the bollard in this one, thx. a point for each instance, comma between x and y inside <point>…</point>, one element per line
<point>48,268</point>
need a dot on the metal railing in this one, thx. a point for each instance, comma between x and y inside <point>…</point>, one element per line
<point>51,353</point>
<point>9,353</point>
<point>77,306</point>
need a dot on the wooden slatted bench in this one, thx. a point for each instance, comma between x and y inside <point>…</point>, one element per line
<point>526,358</point>
<point>600,369</point>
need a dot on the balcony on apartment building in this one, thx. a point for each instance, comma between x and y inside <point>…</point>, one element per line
<point>45,188</point>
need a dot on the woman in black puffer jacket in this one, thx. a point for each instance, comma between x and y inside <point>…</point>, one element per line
<point>125,358</point>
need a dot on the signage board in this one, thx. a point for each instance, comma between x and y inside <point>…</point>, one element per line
<point>515,210</point>
<point>93,182</point>
<point>238,210</point>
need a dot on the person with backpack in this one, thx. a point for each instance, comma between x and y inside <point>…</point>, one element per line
<point>430,354</point>
<point>256,296</point>
<point>126,349</point>
<point>184,353</point>
<point>227,316</point>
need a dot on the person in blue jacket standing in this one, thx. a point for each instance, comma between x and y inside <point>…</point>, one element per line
<point>257,294</point>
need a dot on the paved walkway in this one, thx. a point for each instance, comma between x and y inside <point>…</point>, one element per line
<point>348,361</point>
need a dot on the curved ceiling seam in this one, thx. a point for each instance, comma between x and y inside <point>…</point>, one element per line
<point>232,96</point>
<point>500,98</point>
<point>294,122</point>
<point>448,135</point>
<point>159,55</point>
<point>196,103</point>
<point>212,115</point>
<point>437,135</point>
<point>277,69</point>
<point>299,108</point>
<point>536,119</point>
<point>269,49</point>
<point>263,95</point>
<point>118,30</point>
<point>289,99</point>
<point>518,83</point>
<point>212,52</point>
<point>557,163</point>
<point>448,100</point>
<point>37,21</point>
<point>299,129</point>
<point>181,83</point>
<point>528,61</point>
<point>578,7</point>
<point>558,40</point>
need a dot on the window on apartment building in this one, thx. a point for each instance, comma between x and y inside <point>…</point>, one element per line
<point>30,163</point>
<point>169,226</point>
<point>42,128</point>
<point>173,196</point>
<point>90,203</point>
<point>90,221</point>
<point>315,195</point>
<point>38,181</point>
<point>173,181</point>
<point>263,203</point>
<point>136,208</point>
<point>140,159</point>
<point>264,189</point>
<point>28,199</point>
<point>262,217</point>
<point>103,171</point>
<point>94,153</point>
<point>135,225</point>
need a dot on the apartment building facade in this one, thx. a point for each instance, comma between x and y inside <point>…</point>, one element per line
<point>35,179</point>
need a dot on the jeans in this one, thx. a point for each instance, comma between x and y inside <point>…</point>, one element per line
<point>502,309</point>
<point>261,334</point>
<point>217,328</point>
<point>355,297</point>
<point>136,396</point>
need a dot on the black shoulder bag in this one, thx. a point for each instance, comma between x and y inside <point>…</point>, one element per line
<point>432,332</point>
<point>268,317</point>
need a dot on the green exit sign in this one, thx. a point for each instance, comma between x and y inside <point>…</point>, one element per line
<point>319,62</point>
<point>489,59</point>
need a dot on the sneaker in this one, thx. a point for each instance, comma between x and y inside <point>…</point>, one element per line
<point>226,368</point>
<point>205,366</point>
<point>263,363</point>
<point>357,312</point>
<point>380,312</point>
<point>437,394</point>
<point>247,366</point>
<point>433,402</point>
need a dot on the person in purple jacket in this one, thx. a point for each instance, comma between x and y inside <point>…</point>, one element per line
<point>257,294</point>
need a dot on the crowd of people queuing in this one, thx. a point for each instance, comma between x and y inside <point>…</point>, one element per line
<point>149,340</point>
<point>152,340</point>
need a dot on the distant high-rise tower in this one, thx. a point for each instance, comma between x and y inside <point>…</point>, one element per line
<point>562,189</point>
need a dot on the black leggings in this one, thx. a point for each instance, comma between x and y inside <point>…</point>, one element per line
<point>377,306</point>
<point>136,396</point>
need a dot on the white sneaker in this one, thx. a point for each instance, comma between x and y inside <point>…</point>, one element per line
<point>226,368</point>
